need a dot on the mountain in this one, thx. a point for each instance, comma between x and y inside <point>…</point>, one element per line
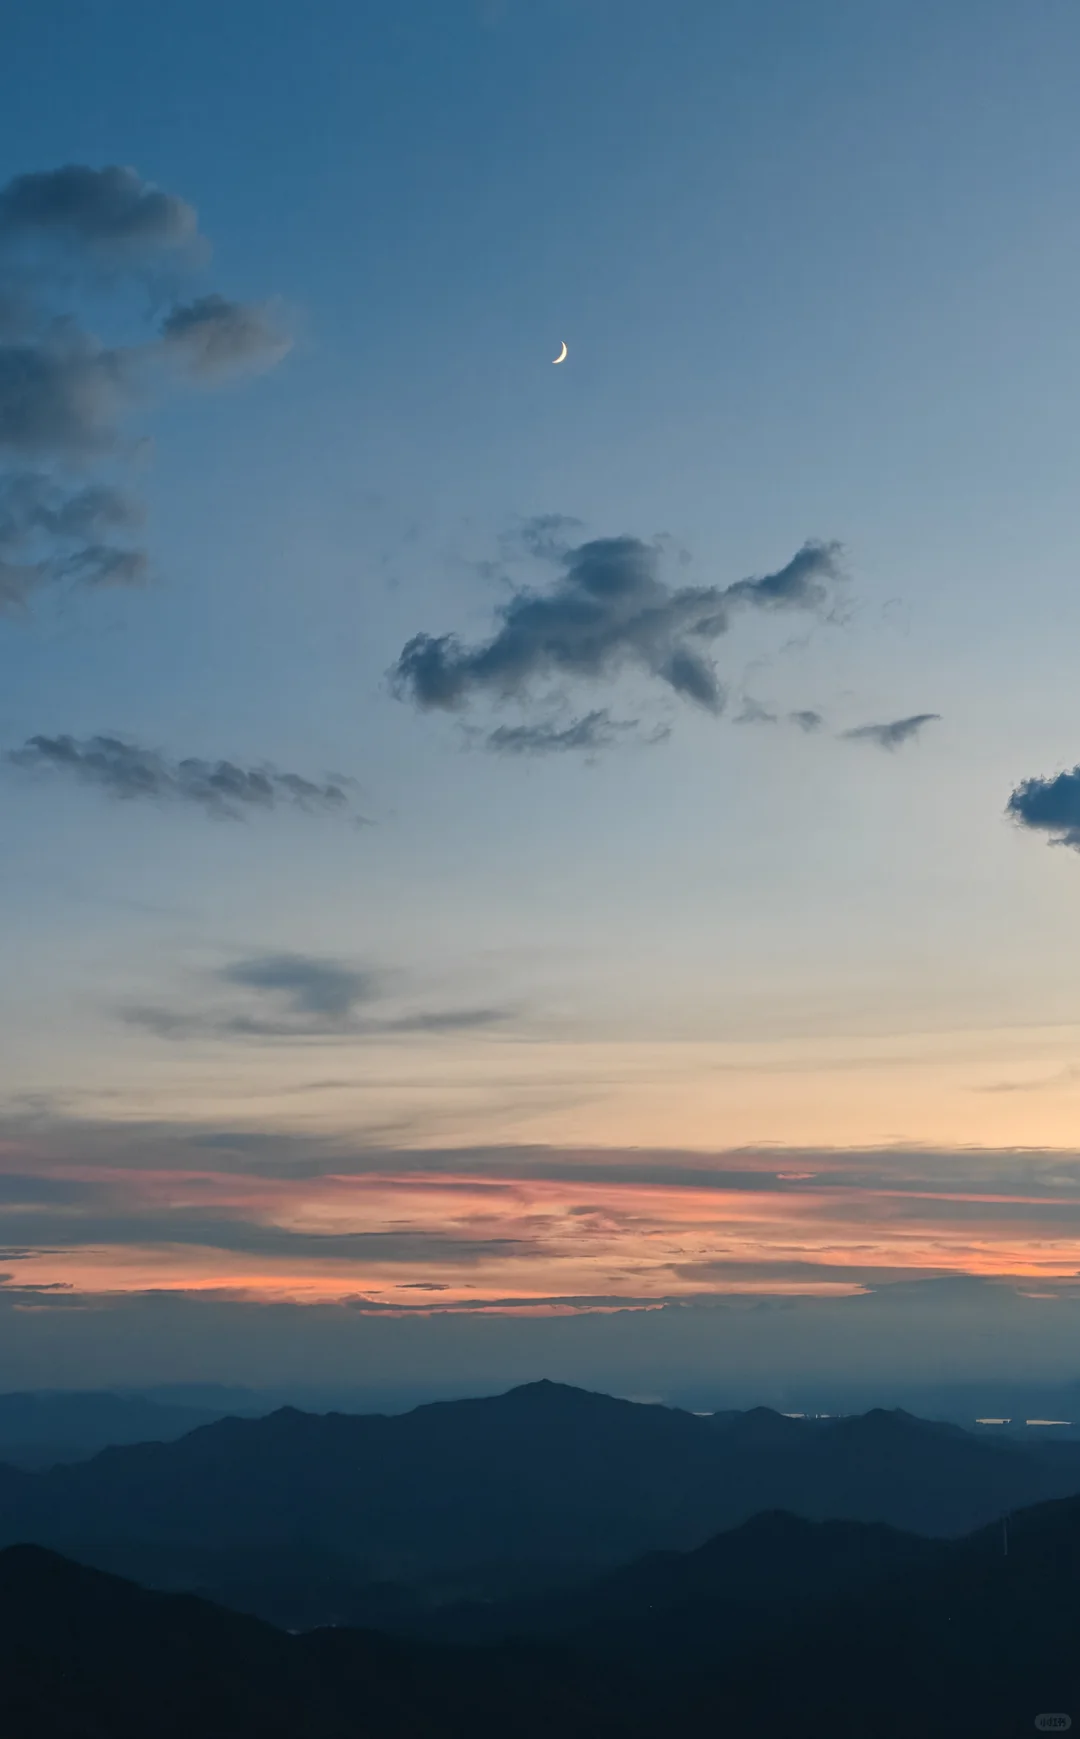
<point>978,1643</point>
<point>738,1583</point>
<point>87,1656</point>
<point>962,1640</point>
<point>496,1497</point>
<point>547,1475</point>
<point>843,1631</point>
<point>41,1428</point>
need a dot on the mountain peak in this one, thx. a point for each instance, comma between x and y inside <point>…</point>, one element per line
<point>551,1397</point>
<point>759,1425</point>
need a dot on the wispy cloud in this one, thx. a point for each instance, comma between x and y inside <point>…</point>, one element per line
<point>94,1205</point>
<point>49,533</point>
<point>300,996</point>
<point>892,735</point>
<point>213,338</point>
<point>221,788</point>
<point>754,712</point>
<point>587,735</point>
<point>547,536</point>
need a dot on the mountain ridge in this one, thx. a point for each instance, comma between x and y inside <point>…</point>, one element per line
<point>968,1643</point>
<point>497,1497</point>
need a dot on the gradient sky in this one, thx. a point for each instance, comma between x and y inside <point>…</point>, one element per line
<point>693,955</point>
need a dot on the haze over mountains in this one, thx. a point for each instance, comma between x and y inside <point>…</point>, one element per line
<point>309,1519</point>
<point>40,1429</point>
<point>549,1561</point>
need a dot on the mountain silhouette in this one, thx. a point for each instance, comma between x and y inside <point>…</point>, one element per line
<point>943,1638</point>
<point>84,1655</point>
<point>41,1428</point>
<point>737,1582</point>
<point>511,1494</point>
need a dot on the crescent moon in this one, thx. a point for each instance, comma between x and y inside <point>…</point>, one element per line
<point>562,354</point>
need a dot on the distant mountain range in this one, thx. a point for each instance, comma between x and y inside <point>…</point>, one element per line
<point>41,1428</point>
<point>308,1519</point>
<point>803,1630</point>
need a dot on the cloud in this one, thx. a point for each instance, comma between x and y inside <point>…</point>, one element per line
<point>801,585</point>
<point>754,713</point>
<point>545,535</point>
<point>111,212</point>
<point>303,996</point>
<point>640,1248</point>
<point>609,609</point>
<point>321,988</point>
<point>596,730</point>
<point>213,337</point>
<point>61,397</point>
<point>49,533</point>
<point>1050,806</point>
<point>220,787</point>
<point>132,1224</point>
<point>64,394</point>
<point>892,735</point>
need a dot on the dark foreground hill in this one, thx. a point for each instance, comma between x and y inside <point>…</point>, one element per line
<point>489,1497</point>
<point>87,1656</point>
<point>670,1608</point>
<point>977,1645</point>
<point>968,1643</point>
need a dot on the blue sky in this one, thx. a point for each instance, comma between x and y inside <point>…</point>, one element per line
<point>817,270</point>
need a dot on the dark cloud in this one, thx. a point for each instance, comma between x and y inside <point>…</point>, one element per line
<point>754,713</point>
<point>596,730</point>
<point>35,1136</point>
<point>220,787</point>
<point>19,1191</point>
<point>1050,806</point>
<point>110,212</point>
<point>892,735</point>
<point>302,996</point>
<point>114,1221</point>
<point>609,609</point>
<point>213,337</point>
<point>61,398</point>
<point>802,585</point>
<point>322,988</point>
<point>49,534</point>
<point>64,395</point>
<point>99,564</point>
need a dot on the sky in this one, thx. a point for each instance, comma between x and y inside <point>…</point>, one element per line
<point>522,851</point>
